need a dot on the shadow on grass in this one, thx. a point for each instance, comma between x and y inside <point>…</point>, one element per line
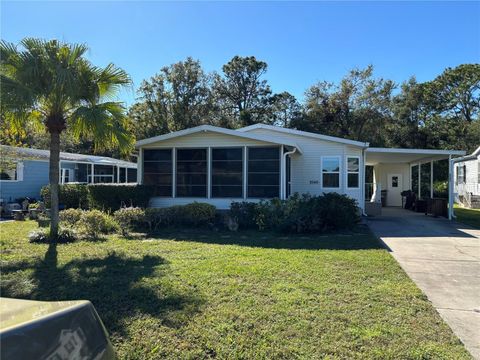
<point>360,239</point>
<point>112,283</point>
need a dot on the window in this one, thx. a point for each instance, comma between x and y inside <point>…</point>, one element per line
<point>103,174</point>
<point>394,181</point>
<point>331,172</point>
<point>122,176</point>
<point>11,170</point>
<point>353,172</point>
<point>227,173</point>
<point>157,171</point>
<point>461,174</point>
<point>263,172</point>
<point>191,173</point>
<point>131,175</point>
<point>66,176</point>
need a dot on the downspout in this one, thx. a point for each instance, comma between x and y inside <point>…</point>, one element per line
<point>451,214</point>
<point>284,177</point>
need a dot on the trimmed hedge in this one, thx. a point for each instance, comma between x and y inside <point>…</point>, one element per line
<point>112,197</point>
<point>108,197</point>
<point>69,195</point>
<point>299,214</point>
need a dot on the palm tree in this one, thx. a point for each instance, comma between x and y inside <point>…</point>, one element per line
<point>52,82</point>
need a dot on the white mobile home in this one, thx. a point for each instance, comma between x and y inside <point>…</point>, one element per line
<point>467,180</point>
<point>218,166</point>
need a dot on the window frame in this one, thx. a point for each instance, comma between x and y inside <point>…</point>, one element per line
<point>19,168</point>
<point>339,172</point>
<point>247,172</point>
<point>210,165</point>
<point>207,177</point>
<point>347,171</point>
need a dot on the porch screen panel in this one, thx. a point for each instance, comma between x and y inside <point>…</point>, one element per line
<point>157,170</point>
<point>132,175</point>
<point>263,172</point>
<point>414,179</point>
<point>191,173</point>
<point>227,172</point>
<point>425,180</point>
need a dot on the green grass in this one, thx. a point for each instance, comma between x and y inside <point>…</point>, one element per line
<point>468,216</point>
<point>199,295</point>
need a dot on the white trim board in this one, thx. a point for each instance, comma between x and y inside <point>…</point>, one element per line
<point>215,129</point>
<point>304,133</point>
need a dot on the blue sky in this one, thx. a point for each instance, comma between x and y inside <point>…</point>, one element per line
<point>302,42</point>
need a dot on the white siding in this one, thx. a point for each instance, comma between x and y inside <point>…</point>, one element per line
<point>205,139</point>
<point>471,184</point>
<point>306,167</point>
<point>381,171</point>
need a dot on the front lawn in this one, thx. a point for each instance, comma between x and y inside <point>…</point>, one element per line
<point>468,216</point>
<point>198,295</point>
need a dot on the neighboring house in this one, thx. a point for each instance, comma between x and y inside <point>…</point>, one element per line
<point>467,180</point>
<point>24,171</point>
<point>218,166</point>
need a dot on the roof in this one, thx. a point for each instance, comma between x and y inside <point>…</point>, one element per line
<point>397,155</point>
<point>304,133</point>
<point>472,156</point>
<point>65,156</point>
<point>218,130</point>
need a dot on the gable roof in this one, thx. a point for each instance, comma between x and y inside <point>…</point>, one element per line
<point>304,133</point>
<point>39,154</point>
<point>218,130</point>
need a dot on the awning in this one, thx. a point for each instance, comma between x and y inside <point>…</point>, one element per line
<point>396,155</point>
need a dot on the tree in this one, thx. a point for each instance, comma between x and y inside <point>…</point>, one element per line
<point>357,108</point>
<point>52,82</point>
<point>244,98</point>
<point>456,92</point>
<point>285,109</point>
<point>177,98</point>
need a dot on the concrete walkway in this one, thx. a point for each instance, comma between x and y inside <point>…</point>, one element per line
<point>443,258</point>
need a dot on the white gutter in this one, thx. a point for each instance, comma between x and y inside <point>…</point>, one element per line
<point>364,155</point>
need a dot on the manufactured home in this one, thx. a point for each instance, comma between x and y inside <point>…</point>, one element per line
<point>218,166</point>
<point>24,171</point>
<point>467,180</point>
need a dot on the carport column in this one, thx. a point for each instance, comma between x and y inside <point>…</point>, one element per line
<point>419,179</point>
<point>431,179</point>
<point>450,188</point>
<point>282,174</point>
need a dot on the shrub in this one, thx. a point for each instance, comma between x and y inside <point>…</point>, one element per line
<point>130,219</point>
<point>300,213</point>
<point>244,214</point>
<point>111,197</point>
<point>69,195</point>
<point>194,214</point>
<point>71,216</point>
<point>197,214</point>
<point>65,235</point>
<point>94,223</point>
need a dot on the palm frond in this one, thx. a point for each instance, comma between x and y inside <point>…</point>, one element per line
<point>106,122</point>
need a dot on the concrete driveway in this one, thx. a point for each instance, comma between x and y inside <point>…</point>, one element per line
<point>443,258</point>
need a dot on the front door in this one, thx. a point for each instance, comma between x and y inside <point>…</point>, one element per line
<point>394,189</point>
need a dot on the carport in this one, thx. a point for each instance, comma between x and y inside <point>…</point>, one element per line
<point>396,170</point>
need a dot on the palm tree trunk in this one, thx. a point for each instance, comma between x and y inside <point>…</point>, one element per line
<point>54,180</point>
